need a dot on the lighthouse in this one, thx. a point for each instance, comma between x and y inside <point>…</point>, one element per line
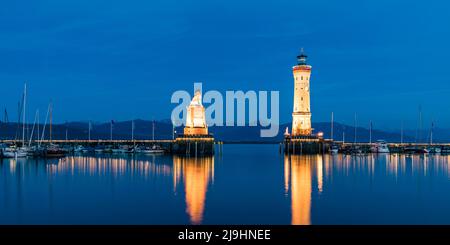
<point>195,120</point>
<point>195,140</point>
<point>301,115</point>
<point>301,140</point>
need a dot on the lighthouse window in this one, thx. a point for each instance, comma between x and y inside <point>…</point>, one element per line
<point>301,98</point>
<point>302,77</point>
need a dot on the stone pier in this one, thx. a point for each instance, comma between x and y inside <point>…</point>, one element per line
<point>304,145</point>
<point>194,145</point>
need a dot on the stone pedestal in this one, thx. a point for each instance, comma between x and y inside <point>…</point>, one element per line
<point>304,145</point>
<point>194,145</point>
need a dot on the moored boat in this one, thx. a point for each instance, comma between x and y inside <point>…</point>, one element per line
<point>445,150</point>
<point>116,150</point>
<point>155,149</point>
<point>380,147</point>
<point>53,150</point>
<point>14,152</point>
<point>435,150</point>
<point>334,149</point>
<point>2,148</point>
<point>415,150</point>
<point>88,149</point>
<point>356,150</point>
<point>108,149</point>
<point>99,149</point>
<point>32,151</point>
<point>68,148</point>
<point>128,149</point>
<point>78,149</point>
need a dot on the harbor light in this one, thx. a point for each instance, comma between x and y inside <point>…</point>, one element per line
<point>195,139</point>
<point>301,115</point>
<point>301,139</point>
<point>196,120</point>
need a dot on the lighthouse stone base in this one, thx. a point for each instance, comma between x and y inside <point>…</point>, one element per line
<point>304,144</point>
<point>194,145</point>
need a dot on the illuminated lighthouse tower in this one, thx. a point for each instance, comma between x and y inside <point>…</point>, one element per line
<point>195,139</point>
<point>195,121</point>
<point>301,116</point>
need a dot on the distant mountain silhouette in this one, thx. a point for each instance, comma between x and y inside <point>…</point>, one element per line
<point>163,130</point>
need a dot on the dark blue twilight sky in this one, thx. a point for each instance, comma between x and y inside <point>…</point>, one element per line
<point>103,60</point>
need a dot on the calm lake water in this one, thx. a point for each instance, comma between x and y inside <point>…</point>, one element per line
<point>247,184</point>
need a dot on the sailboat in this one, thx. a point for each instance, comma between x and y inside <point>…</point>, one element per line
<point>334,149</point>
<point>355,148</point>
<point>24,149</point>
<point>380,146</point>
<point>432,149</point>
<point>417,149</point>
<point>14,151</point>
<point>154,149</point>
<point>99,149</point>
<point>33,150</point>
<point>78,149</point>
<point>53,150</point>
<point>2,148</point>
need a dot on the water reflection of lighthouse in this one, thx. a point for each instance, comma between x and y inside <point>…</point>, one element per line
<point>299,173</point>
<point>196,174</point>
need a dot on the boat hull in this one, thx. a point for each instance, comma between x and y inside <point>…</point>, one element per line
<point>54,154</point>
<point>416,151</point>
<point>14,153</point>
<point>151,152</point>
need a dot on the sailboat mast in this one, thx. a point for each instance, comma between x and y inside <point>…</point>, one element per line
<point>38,125</point>
<point>24,112</point>
<point>370,132</point>
<point>51,117</point>
<point>153,130</point>
<point>45,125</point>
<point>401,133</point>
<point>431,133</point>
<point>5,117</point>
<point>132,130</point>
<point>420,124</point>
<point>173,131</point>
<point>332,133</point>
<point>343,135</point>
<point>19,122</point>
<point>355,129</point>
<point>32,130</point>
<point>5,121</point>
<point>110,130</point>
